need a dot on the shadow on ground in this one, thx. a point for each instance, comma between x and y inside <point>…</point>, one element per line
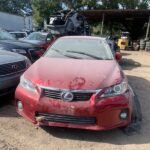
<point>7,108</point>
<point>129,64</point>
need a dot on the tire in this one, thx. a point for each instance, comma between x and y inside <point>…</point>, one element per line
<point>136,109</point>
<point>136,117</point>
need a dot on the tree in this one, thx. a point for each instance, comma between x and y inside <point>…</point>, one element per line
<point>134,4</point>
<point>12,6</point>
<point>43,8</point>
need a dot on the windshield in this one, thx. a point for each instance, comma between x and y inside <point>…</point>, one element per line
<point>6,36</point>
<point>37,36</point>
<point>80,48</point>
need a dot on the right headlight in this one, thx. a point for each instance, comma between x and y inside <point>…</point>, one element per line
<point>114,90</point>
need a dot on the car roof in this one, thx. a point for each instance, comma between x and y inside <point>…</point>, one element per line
<point>83,37</point>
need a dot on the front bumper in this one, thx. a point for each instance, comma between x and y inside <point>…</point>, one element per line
<point>105,113</point>
<point>9,83</point>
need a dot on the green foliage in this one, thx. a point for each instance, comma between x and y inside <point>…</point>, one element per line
<point>43,8</point>
<point>13,6</point>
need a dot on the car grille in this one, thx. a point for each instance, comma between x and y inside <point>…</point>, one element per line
<point>66,118</point>
<point>78,96</point>
<point>11,68</point>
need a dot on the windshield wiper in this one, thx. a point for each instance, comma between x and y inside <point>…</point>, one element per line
<point>70,56</point>
<point>85,54</point>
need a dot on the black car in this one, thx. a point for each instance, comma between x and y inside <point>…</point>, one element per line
<point>9,43</point>
<point>12,66</point>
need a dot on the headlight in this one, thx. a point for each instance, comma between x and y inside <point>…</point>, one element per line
<point>27,84</point>
<point>116,90</point>
<point>28,62</point>
<point>20,51</point>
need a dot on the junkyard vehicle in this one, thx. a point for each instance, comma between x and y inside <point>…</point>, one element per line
<point>114,47</point>
<point>9,43</point>
<point>68,23</point>
<point>77,84</point>
<point>43,39</point>
<point>123,42</point>
<point>19,34</point>
<point>12,66</point>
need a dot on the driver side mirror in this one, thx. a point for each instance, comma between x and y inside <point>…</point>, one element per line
<point>118,56</point>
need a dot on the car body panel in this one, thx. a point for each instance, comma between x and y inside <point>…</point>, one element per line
<point>67,74</point>
<point>77,78</point>
<point>10,81</point>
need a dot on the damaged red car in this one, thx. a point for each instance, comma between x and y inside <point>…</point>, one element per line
<point>77,84</point>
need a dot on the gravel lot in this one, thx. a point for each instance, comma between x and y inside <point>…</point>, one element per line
<point>19,134</point>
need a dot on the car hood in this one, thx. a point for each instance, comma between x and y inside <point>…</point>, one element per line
<point>74,74</point>
<point>8,57</point>
<point>17,44</point>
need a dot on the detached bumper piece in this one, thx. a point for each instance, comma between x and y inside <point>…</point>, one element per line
<point>65,119</point>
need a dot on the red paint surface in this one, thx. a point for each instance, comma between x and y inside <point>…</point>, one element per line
<point>79,75</point>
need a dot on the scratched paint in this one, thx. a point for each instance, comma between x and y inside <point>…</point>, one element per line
<point>77,83</point>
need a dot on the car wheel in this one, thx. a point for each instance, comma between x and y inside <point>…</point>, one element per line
<point>136,117</point>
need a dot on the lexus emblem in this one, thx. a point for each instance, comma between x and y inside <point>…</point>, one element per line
<point>67,96</point>
<point>14,67</point>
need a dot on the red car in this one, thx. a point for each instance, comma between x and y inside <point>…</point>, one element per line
<point>77,84</point>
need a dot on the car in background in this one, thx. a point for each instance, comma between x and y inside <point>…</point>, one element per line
<point>12,66</point>
<point>9,43</point>
<point>43,39</point>
<point>19,34</point>
<point>77,84</point>
<point>114,47</point>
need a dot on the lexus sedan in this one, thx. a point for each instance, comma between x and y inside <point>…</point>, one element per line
<point>77,84</point>
<point>12,66</point>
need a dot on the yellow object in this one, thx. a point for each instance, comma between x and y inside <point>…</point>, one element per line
<point>123,43</point>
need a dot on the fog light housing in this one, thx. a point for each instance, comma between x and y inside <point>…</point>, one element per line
<point>19,105</point>
<point>123,115</point>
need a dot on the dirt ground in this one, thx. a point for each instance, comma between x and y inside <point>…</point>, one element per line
<point>19,134</point>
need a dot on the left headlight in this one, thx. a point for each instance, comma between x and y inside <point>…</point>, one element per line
<point>114,90</point>
<point>20,51</point>
<point>27,84</point>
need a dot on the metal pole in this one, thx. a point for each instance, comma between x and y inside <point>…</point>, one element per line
<point>102,24</point>
<point>148,27</point>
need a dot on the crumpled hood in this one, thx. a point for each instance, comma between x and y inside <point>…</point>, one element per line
<point>74,74</point>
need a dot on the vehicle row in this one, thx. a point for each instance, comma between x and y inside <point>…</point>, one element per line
<point>77,83</point>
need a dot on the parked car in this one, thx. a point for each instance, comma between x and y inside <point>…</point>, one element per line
<point>114,47</point>
<point>12,66</point>
<point>19,34</point>
<point>43,39</point>
<point>9,43</point>
<point>77,84</point>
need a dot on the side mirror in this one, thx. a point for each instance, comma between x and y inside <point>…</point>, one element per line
<point>118,56</point>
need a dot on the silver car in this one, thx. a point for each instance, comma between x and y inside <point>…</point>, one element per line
<point>12,65</point>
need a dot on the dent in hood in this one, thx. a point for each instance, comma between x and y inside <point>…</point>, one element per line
<point>74,74</point>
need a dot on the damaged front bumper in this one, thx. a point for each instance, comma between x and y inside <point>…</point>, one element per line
<point>103,115</point>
